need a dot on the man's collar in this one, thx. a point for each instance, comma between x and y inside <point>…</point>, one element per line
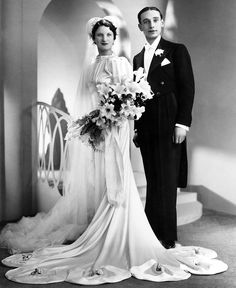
<point>154,44</point>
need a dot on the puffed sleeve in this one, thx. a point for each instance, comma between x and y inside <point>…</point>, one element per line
<point>121,69</point>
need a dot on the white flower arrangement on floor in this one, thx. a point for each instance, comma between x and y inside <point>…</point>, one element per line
<point>117,102</point>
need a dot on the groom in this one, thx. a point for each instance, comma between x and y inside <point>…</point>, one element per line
<point>161,131</point>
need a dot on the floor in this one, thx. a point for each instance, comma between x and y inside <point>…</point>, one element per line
<point>214,230</point>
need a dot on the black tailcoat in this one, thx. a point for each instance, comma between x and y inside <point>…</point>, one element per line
<point>165,163</point>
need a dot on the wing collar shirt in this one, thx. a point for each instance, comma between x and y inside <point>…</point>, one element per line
<point>148,55</point>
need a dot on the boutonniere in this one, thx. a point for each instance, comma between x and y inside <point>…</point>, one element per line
<point>159,52</point>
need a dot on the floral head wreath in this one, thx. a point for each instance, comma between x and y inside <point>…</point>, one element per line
<point>91,23</point>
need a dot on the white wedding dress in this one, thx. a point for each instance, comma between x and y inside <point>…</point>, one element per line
<point>119,242</point>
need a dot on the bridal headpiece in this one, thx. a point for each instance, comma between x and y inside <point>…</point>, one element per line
<point>92,22</point>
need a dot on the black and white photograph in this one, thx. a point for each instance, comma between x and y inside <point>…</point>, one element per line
<point>117,143</point>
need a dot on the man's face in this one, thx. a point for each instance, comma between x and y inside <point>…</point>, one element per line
<point>151,25</point>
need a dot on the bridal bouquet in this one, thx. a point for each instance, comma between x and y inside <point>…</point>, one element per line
<point>117,102</point>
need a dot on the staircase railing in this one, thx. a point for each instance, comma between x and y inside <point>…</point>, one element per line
<point>52,148</point>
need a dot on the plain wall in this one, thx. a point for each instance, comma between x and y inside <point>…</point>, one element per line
<point>20,20</point>
<point>2,144</point>
<point>12,49</point>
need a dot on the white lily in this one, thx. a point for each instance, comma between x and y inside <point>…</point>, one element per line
<point>139,74</point>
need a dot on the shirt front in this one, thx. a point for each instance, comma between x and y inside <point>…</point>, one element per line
<point>149,53</point>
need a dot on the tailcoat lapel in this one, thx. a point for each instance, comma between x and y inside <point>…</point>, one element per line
<point>140,59</point>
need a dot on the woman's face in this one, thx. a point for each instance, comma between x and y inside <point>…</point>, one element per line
<point>104,39</point>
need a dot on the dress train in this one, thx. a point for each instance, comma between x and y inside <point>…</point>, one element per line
<point>118,243</point>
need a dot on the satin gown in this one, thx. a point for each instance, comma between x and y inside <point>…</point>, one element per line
<point>119,242</point>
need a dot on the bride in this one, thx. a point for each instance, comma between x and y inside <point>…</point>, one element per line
<point>117,240</point>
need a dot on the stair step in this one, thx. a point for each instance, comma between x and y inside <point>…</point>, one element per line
<point>140,178</point>
<point>188,208</point>
<point>186,197</point>
<point>188,212</point>
<point>142,192</point>
<point>182,197</point>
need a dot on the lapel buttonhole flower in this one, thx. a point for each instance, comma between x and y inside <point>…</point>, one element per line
<point>159,52</point>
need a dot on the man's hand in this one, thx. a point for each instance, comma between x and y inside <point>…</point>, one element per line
<point>135,139</point>
<point>179,135</point>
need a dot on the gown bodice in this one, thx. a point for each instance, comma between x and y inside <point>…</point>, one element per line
<point>111,67</point>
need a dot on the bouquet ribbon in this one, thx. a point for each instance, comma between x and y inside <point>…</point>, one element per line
<point>114,169</point>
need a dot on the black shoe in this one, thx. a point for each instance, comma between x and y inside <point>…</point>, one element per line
<point>168,244</point>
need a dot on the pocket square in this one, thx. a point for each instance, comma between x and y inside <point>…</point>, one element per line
<point>165,62</point>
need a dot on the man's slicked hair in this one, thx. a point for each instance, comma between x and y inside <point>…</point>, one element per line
<point>147,9</point>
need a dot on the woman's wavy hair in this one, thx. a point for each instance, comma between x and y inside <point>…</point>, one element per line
<point>104,22</point>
